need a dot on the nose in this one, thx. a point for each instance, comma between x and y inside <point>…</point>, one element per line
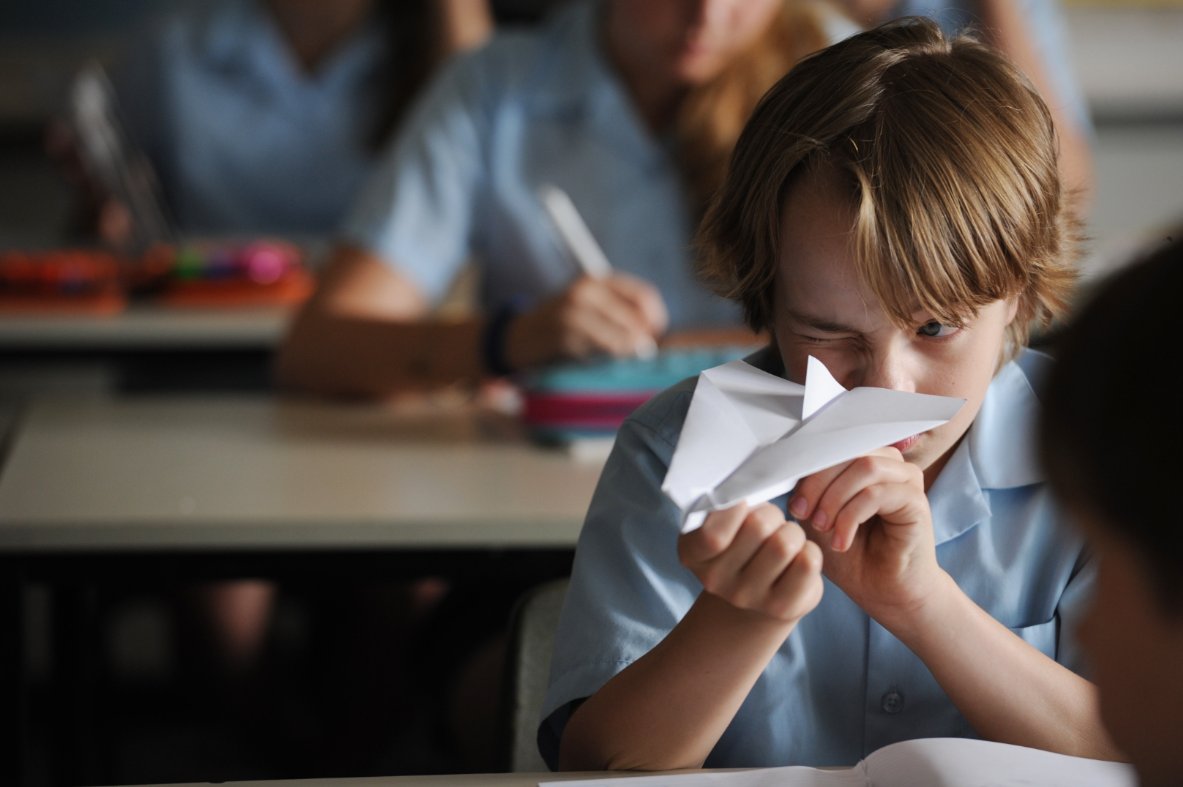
<point>888,369</point>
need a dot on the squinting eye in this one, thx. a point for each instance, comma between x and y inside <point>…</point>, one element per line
<point>935,329</point>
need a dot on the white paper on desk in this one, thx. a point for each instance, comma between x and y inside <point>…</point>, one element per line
<point>788,776</point>
<point>929,762</point>
<point>750,435</point>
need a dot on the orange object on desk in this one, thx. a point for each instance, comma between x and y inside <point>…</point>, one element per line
<point>293,287</point>
<point>202,275</point>
<point>66,281</point>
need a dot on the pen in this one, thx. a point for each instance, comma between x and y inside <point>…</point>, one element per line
<point>582,245</point>
<point>574,232</point>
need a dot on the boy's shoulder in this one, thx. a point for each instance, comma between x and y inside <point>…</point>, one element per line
<point>663,415</point>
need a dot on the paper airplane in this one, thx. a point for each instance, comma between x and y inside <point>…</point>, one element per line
<point>750,435</point>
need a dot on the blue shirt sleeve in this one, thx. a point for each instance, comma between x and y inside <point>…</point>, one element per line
<point>416,212</point>
<point>627,589</point>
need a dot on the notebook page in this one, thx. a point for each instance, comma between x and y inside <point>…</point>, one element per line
<point>791,776</point>
<point>957,762</point>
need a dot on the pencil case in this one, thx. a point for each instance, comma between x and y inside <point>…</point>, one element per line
<point>211,275</point>
<point>571,401</point>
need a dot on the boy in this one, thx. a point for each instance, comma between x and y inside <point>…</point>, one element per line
<point>894,209</point>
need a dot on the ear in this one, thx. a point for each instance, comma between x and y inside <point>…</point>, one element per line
<point>1012,308</point>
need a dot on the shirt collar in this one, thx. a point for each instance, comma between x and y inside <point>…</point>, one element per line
<point>1001,440</point>
<point>227,33</point>
<point>242,36</point>
<point>997,452</point>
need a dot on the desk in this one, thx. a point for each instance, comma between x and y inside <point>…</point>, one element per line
<point>146,326</point>
<point>101,490</point>
<point>145,347</point>
<point>261,473</point>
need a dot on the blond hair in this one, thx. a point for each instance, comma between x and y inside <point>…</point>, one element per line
<point>711,117</point>
<point>949,155</point>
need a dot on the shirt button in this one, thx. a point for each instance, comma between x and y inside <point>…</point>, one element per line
<point>893,702</point>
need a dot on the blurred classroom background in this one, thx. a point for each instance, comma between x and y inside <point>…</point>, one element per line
<point>1128,56</point>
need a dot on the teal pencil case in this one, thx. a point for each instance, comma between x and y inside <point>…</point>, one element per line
<point>576,400</point>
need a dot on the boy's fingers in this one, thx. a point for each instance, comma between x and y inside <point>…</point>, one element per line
<point>799,588</point>
<point>724,573</point>
<point>716,535</point>
<point>809,490</point>
<point>826,492</point>
<point>770,561</point>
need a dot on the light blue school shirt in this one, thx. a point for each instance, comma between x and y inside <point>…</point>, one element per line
<point>528,109</point>
<point>243,140</point>
<point>840,686</point>
<point>1045,22</point>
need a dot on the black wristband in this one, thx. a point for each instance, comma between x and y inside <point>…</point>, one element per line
<point>493,339</point>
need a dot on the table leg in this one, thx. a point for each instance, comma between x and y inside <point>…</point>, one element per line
<point>78,658</point>
<point>14,687</point>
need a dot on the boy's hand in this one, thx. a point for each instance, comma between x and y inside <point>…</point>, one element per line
<point>756,561</point>
<point>872,519</point>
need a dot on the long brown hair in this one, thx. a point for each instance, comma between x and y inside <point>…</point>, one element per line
<point>711,117</point>
<point>413,30</point>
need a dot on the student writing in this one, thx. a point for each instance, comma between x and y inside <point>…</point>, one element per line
<point>631,109</point>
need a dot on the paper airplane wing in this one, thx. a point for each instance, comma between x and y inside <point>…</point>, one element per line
<point>852,424</point>
<point>736,408</point>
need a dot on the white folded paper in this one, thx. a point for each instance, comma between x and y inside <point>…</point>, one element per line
<point>749,435</point>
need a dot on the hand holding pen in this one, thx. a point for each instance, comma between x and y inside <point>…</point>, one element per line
<point>603,310</point>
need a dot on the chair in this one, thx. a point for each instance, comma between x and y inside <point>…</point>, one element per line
<point>532,633</point>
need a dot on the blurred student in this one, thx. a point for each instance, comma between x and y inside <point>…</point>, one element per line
<point>264,117</point>
<point>1110,441</point>
<point>893,209</point>
<point>1031,34</point>
<point>632,109</point>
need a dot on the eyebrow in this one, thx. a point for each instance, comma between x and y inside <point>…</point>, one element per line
<point>819,323</point>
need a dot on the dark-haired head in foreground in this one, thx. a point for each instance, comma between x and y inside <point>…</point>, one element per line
<point>1112,443</point>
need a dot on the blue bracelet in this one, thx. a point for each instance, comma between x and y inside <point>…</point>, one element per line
<point>493,338</point>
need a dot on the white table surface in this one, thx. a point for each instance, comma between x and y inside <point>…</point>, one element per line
<point>146,326</point>
<point>263,472</point>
